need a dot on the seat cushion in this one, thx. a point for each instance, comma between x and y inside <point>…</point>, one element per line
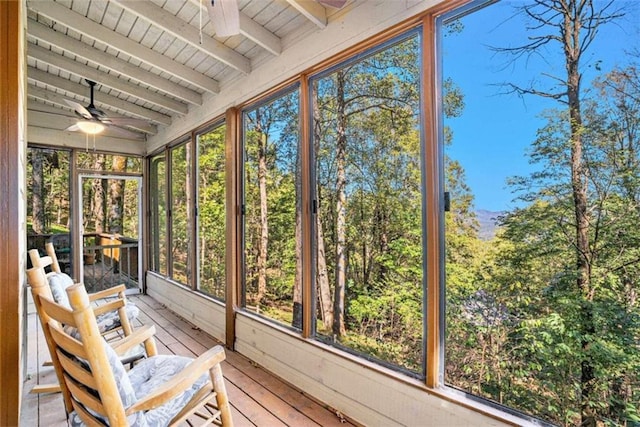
<point>124,387</point>
<point>108,321</point>
<point>111,320</point>
<point>59,282</point>
<point>141,380</point>
<point>155,371</point>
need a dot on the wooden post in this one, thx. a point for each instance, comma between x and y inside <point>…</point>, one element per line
<point>12,205</point>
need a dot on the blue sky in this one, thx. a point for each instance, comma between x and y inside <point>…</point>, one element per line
<point>492,135</point>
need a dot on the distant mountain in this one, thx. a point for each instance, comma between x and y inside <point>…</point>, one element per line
<point>488,221</point>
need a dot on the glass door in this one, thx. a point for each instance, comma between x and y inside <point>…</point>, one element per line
<point>111,231</point>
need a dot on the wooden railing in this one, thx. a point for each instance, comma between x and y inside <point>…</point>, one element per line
<point>108,259</point>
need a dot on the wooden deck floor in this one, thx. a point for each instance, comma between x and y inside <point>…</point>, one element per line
<point>258,398</point>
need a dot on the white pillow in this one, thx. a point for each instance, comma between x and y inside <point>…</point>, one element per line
<point>59,282</point>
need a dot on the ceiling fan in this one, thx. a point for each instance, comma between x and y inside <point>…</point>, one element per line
<point>225,17</point>
<point>93,120</point>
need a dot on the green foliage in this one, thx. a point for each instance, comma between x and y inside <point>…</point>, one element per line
<point>54,195</point>
<point>271,164</point>
<point>368,109</point>
<point>529,272</point>
<point>212,212</point>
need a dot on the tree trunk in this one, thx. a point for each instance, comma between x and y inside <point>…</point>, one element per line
<point>264,226</point>
<point>188,203</point>
<point>322,277</point>
<point>297,284</point>
<point>116,196</point>
<point>38,211</point>
<point>341,211</point>
<point>572,27</point>
<point>324,290</point>
<point>99,200</point>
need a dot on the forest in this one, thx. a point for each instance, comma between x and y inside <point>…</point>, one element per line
<point>542,315</point>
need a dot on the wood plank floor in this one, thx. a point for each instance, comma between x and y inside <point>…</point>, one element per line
<point>258,398</point>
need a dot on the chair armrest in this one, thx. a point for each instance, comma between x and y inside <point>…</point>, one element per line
<point>179,382</point>
<point>139,336</point>
<point>109,306</point>
<point>107,292</point>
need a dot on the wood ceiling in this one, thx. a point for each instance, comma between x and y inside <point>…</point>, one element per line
<point>153,59</point>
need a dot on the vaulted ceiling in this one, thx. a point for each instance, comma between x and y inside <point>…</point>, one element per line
<point>153,60</point>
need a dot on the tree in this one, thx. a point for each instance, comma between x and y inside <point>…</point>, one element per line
<point>99,196</point>
<point>116,196</point>
<point>341,227</point>
<point>572,25</point>
<point>37,189</point>
<point>271,209</point>
<point>323,288</point>
<point>369,215</point>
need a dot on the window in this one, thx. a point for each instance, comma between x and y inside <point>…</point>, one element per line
<point>109,162</point>
<point>180,215</point>
<point>48,200</point>
<point>542,250</point>
<point>109,204</point>
<point>272,230</point>
<point>474,202</point>
<point>211,211</point>
<point>158,206</point>
<point>368,225</point>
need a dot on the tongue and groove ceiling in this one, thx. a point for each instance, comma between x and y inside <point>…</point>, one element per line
<point>150,59</point>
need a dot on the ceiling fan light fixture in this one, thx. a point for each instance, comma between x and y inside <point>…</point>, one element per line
<point>90,127</point>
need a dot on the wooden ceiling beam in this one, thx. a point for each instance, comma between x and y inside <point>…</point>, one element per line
<point>67,17</point>
<point>178,28</point>
<point>260,35</point>
<point>83,50</point>
<point>45,55</point>
<point>102,100</point>
<point>35,104</point>
<point>61,138</point>
<point>311,10</point>
<point>253,31</point>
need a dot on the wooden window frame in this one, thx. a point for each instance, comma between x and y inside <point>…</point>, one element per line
<point>433,347</point>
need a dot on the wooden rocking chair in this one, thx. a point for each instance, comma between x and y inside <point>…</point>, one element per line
<point>158,391</point>
<point>109,320</point>
<point>114,314</point>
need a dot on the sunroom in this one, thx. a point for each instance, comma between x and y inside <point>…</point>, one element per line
<point>411,212</point>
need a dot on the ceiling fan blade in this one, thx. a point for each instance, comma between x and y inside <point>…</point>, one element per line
<point>113,131</point>
<point>224,16</point>
<point>333,3</point>
<point>142,125</point>
<point>80,109</point>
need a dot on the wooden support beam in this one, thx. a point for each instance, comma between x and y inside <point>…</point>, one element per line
<point>175,26</point>
<point>84,72</point>
<point>311,10</point>
<point>73,20</point>
<point>83,50</point>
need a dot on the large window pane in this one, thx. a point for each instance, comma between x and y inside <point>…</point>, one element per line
<point>48,202</point>
<point>369,233</point>
<point>542,166</point>
<point>181,214</point>
<point>272,234</point>
<point>158,207</point>
<point>211,212</point>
